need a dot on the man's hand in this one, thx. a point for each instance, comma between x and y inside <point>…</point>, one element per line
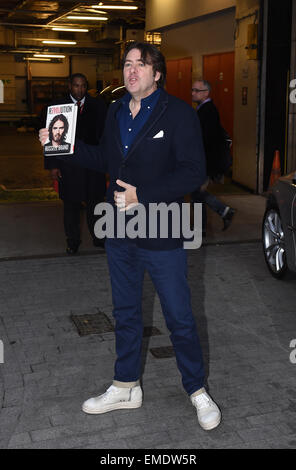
<point>55,174</point>
<point>43,136</point>
<point>127,199</point>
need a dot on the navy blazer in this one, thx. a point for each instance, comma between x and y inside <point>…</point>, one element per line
<point>163,169</point>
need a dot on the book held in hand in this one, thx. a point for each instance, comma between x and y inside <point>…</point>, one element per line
<point>61,123</point>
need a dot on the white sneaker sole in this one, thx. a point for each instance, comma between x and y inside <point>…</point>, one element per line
<point>212,425</point>
<point>115,406</point>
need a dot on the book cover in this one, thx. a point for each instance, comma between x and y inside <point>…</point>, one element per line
<point>61,122</point>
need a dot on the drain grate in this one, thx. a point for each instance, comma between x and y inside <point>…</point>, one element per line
<point>96,323</point>
<point>163,352</point>
<point>151,331</point>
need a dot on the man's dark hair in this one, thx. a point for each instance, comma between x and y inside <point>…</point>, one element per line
<point>78,75</point>
<point>149,55</point>
<point>59,117</point>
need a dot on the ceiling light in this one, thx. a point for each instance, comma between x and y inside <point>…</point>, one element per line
<point>56,56</point>
<point>58,42</point>
<point>71,29</point>
<point>96,18</point>
<point>97,11</point>
<point>115,7</point>
<point>37,58</point>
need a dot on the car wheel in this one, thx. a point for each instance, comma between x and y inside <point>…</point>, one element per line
<point>273,239</point>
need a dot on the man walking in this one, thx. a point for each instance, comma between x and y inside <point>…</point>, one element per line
<point>80,185</point>
<point>152,149</point>
<point>214,145</point>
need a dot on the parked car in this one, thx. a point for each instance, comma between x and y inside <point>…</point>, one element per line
<point>279,227</point>
<point>112,93</point>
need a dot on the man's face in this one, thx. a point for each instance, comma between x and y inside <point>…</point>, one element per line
<point>199,92</point>
<point>58,132</point>
<point>78,88</point>
<point>139,78</point>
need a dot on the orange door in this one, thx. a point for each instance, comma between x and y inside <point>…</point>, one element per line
<point>179,78</point>
<point>218,69</point>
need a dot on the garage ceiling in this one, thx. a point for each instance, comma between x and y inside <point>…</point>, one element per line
<point>30,21</point>
<point>42,13</point>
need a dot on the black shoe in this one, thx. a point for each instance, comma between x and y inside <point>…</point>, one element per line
<point>72,246</point>
<point>227,219</point>
<point>71,250</point>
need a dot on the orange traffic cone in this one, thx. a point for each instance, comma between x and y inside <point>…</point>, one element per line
<point>276,169</point>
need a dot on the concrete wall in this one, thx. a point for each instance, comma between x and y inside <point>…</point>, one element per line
<point>162,13</point>
<point>207,35</point>
<point>42,69</point>
<point>245,115</point>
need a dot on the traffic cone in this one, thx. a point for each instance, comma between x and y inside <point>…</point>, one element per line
<point>276,169</point>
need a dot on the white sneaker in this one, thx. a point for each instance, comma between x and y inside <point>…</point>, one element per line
<point>208,413</point>
<point>114,398</point>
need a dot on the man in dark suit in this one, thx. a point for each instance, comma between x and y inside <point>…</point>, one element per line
<point>214,145</point>
<point>80,185</point>
<point>152,149</point>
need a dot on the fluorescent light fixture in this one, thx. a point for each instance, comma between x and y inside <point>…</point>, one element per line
<point>115,7</point>
<point>58,42</point>
<point>55,56</point>
<point>37,58</point>
<point>81,30</point>
<point>101,12</point>
<point>95,18</point>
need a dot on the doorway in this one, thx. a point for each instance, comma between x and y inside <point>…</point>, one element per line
<point>179,78</point>
<point>218,70</point>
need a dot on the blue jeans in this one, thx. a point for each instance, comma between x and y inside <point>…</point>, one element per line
<point>168,271</point>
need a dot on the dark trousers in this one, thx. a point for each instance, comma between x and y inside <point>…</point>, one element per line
<point>168,271</point>
<point>210,200</point>
<point>72,218</point>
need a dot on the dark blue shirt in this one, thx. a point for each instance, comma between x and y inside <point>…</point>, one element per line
<point>129,127</point>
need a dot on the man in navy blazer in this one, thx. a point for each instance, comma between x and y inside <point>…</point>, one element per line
<point>152,149</point>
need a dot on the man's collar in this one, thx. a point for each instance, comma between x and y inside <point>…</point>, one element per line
<point>75,101</point>
<point>204,102</point>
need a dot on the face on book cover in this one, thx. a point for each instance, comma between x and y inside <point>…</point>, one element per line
<point>58,131</point>
<point>78,88</point>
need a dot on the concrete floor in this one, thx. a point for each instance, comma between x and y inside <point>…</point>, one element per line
<point>246,321</point>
